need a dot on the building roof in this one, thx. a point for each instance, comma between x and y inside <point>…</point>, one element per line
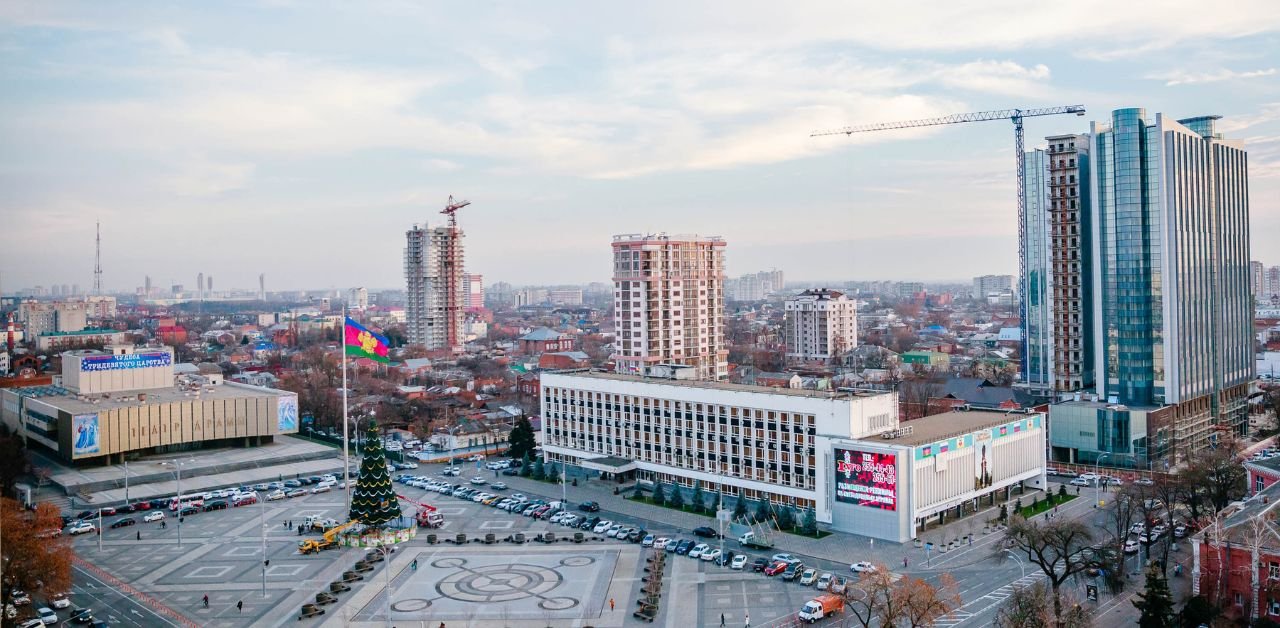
<point>66,400</point>
<point>417,363</point>
<point>572,355</point>
<point>83,332</point>
<point>842,393</point>
<point>977,391</point>
<point>939,426</point>
<point>542,333</point>
<point>1237,517</point>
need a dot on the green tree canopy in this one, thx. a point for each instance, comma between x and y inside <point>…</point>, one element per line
<point>522,438</point>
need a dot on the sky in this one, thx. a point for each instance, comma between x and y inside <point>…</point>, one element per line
<point>301,139</point>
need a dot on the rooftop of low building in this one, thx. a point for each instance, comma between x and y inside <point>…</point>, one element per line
<point>937,427</point>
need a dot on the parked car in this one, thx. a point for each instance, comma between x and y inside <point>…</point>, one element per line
<point>759,564</point>
<point>862,566</point>
<point>107,511</point>
<point>697,550</point>
<point>793,571</point>
<point>297,492</point>
<point>809,577</point>
<point>1080,481</point>
<point>216,505</point>
<point>660,543</point>
<point>292,483</point>
<point>59,600</point>
<point>786,558</point>
<point>141,506</point>
<point>18,597</point>
<point>824,582</point>
<point>155,515</point>
<point>122,523</point>
<point>275,495</point>
<point>739,561</point>
<point>510,472</point>
<point>838,585</point>
<point>648,541</point>
<point>725,558</point>
<point>636,535</point>
<point>498,486</point>
<point>775,569</point>
<point>1131,547</point>
<point>479,481</point>
<point>684,546</point>
<point>80,527</point>
<point>188,511</point>
<point>711,554</point>
<point>47,615</point>
<point>589,506</point>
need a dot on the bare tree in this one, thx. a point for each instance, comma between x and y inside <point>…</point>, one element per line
<point>870,597</point>
<point>1120,517</point>
<point>1059,547</point>
<point>922,603</point>
<point>1027,607</point>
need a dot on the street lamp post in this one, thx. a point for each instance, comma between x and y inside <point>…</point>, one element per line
<point>386,573</point>
<point>1097,479</point>
<point>126,480</point>
<point>177,464</point>
<point>1018,560</point>
<point>262,519</point>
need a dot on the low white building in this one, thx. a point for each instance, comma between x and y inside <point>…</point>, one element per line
<point>841,453</point>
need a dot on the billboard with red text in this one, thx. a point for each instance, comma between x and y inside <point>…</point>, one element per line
<point>867,478</point>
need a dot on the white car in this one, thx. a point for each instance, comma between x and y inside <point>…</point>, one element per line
<point>475,457</point>
<point>784,558</point>
<point>660,542</point>
<point>519,496</point>
<point>711,554</point>
<point>158,515</point>
<point>1081,482</point>
<point>739,562</point>
<point>322,488</point>
<point>1131,547</point>
<point>408,465</point>
<point>1144,482</point>
<point>697,550</point>
<point>648,540</point>
<point>862,567</point>
<point>602,526</point>
<point>80,527</point>
<point>1089,477</point>
<point>613,530</point>
<point>60,600</point>
<point>498,486</point>
<point>824,582</point>
<point>479,481</point>
<point>47,615</point>
<point>1137,528</point>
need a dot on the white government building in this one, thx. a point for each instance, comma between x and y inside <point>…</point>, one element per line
<point>842,453</point>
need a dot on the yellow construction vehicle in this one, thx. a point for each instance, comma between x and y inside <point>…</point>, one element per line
<point>330,540</point>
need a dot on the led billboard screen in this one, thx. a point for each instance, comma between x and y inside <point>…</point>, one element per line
<point>867,479</point>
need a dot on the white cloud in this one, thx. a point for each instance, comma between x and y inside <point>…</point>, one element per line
<point>200,176</point>
<point>1179,77</point>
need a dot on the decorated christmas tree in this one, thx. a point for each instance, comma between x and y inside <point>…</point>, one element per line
<point>374,502</point>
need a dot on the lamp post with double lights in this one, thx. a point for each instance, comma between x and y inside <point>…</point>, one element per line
<point>177,465</point>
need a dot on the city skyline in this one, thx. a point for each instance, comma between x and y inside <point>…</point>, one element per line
<point>278,132</point>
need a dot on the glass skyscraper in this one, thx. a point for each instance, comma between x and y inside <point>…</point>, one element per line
<point>1037,314</point>
<point>1170,269</point>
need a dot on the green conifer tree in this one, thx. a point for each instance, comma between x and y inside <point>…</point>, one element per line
<point>699,500</point>
<point>739,508</point>
<point>539,471</point>
<point>677,497</point>
<point>763,511</point>
<point>374,502</point>
<point>1156,603</point>
<point>659,495</point>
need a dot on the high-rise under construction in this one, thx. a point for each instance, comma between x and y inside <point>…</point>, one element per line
<point>433,268</point>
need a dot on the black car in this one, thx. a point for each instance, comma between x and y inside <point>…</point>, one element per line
<point>159,503</point>
<point>87,514</point>
<point>684,546</point>
<point>301,481</point>
<point>636,535</point>
<point>793,571</point>
<point>759,564</point>
<point>127,521</point>
<point>589,523</point>
<point>218,505</point>
<point>315,479</point>
<point>125,509</point>
<point>81,615</point>
<point>510,472</point>
<point>706,533</point>
<point>293,483</point>
<point>589,507</point>
<point>189,510</point>
<point>725,558</point>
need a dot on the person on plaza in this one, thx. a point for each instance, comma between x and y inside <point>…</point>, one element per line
<point>139,535</point>
<point>904,562</point>
<point>414,565</point>
<point>748,621</point>
<point>240,606</point>
<point>206,600</point>
<point>611,604</point>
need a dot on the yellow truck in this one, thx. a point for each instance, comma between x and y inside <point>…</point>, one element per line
<point>330,540</point>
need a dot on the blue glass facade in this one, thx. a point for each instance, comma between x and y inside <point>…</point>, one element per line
<point>1035,291</point>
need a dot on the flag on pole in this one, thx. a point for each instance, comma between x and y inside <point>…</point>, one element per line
<point>362,343</point>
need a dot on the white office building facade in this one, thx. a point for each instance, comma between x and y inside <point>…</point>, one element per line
<point>820,325</point>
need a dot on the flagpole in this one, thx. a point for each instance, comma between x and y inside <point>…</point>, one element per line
<point>346,439</point>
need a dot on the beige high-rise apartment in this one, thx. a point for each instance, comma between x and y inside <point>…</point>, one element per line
<point>821,324</point>
<point>433,262</point>
<point>668,303</point>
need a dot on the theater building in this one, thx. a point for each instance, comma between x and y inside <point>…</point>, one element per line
<point>124,399</point>
<point>842,452</point>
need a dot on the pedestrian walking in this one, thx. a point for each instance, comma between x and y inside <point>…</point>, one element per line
<point>970,541</point>
<point>414,565</point>
<point>139,535</point>
<point>904,562</point>
<point>610,604</point>
<point>240,606</point>
<point>748,622</point>
<point>721,620</point>
<point>206,600</point>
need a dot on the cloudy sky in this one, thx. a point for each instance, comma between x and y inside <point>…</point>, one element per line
<point>302,139</point>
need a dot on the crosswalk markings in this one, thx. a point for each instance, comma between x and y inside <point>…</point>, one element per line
<point>981,604</point>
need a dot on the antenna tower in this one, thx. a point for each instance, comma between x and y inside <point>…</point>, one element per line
<point>97,260</point>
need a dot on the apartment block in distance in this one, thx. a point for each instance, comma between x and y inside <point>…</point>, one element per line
<point>434,304</point>
<point>668,298</point>
<point>821,325</point>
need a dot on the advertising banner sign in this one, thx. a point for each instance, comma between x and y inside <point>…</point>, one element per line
<point>92,363</point>
<point>867,479</point>
<point>287,414</point>
<point>84,433</point>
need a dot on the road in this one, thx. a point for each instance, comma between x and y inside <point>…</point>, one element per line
<point>109,602</point>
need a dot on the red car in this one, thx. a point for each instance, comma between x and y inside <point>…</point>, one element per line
<point>142,506</point>
<point>108,511</point>
<point>775,569</point>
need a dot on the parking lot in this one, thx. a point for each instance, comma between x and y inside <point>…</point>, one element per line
<point>137,579</point>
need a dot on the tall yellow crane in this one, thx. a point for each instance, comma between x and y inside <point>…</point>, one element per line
<point>1014,115</point>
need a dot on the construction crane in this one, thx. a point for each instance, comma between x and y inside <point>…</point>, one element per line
<point>451,209</point>
<point>1014,115</point>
